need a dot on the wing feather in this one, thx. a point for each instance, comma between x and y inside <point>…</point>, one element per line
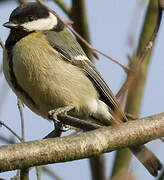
<point>70,50</point>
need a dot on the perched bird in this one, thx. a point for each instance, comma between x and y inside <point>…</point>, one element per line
<point>47,69</point>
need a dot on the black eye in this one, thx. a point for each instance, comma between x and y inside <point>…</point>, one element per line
<point>31,18</point>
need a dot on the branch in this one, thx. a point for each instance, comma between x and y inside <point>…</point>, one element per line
<point>98,167</point>
<point>63,6</point>
<point>2,44</point>
<point>79,17</point>
<point>38,174</point>
<point>85,145</point>
<point>14,133</point>
<point>161,3</point>
<point>22,1</point>
<point>50,172</point>
<point>136,66</point>
<point>161,176</point>
<point>137,78</point>
<point>94,50</point>
<point>19,104</point>
<point>1,69</point>
<point>7,140</point>
<point>24,174</point>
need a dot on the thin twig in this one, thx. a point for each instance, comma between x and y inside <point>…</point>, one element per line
<point>63,6</point>
<point>98,167</point>
<point>22,1</point>
<point>50,172</point>
<point>38,172</point>
<point>2,44</point>
<point>79,16</point>
<point>136,80</point>
<point>19,104</point>
<point>162,139</point>
<point>7,127</point>
<point>3,94</point>
<point>161,3</point>
<point>134,24</point>
<point>161,176</point>
<point>7,140</point>
<point>81,25</point>
<point>126,69</point>
<point>125,86</point>
<point>138,63</point>
<point>24,174</point>
<point>96,50</point>
<point>83,40</point>
<point>17,177</point>
<point>69,22</point>
<point>1,69</point>
<point>150,44</point>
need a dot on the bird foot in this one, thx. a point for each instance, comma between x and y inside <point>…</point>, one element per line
<point>53,114</point>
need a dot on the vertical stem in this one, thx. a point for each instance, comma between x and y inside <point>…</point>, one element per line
<point>135,93</point>
<point>24,174</point>
<point>19,103</point>
<point>98,168</point>
<point>63,6</point>
<point>120,167</point>
<point>161,176</point>
<point>79,17</point>
<point>22,1</point>
<point>38,172</point>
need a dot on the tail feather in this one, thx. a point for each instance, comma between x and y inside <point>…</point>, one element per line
<point>147,158</point>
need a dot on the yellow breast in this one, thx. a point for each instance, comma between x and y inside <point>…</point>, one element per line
<point>48,79</point>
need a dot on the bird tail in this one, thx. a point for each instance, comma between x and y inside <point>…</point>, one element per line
<point>147,158</point>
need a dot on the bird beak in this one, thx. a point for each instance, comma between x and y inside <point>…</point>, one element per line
<point>10,25</point>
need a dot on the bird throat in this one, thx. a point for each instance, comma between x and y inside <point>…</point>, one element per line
<point>14,36</point>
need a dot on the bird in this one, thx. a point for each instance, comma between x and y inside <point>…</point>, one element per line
<point>47,69</point>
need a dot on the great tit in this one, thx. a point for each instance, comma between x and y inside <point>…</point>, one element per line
<point>47,69</point>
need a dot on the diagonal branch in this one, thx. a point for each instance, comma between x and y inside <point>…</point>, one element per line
<point>22,1</point>
<point>94,50</point>
<point>14,133</point>
<point>79,17</point>
<point>134,85</point>
<point>161,176</point>
<point>50,172</point>
<point>142,55</point>
<point>87,144</point>
<point>63,6</point>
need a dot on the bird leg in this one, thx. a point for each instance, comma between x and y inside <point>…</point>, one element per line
<point>60,118</point>
<point>53,114</point>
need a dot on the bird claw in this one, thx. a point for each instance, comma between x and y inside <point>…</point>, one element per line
<point>53,114</point>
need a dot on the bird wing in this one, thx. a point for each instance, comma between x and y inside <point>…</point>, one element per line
<point>70,50</point>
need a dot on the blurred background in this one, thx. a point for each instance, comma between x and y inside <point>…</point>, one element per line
<point>114,28</point>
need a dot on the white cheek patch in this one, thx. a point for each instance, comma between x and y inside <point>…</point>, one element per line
<point>41,24</point>
<point>81,57</point>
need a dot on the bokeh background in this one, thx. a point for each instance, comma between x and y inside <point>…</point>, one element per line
<point>111,24</point>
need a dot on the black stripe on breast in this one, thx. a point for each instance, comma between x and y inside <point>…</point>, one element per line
<point>11,41</point>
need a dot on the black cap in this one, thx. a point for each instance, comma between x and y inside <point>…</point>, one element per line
<point>27,12</point>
